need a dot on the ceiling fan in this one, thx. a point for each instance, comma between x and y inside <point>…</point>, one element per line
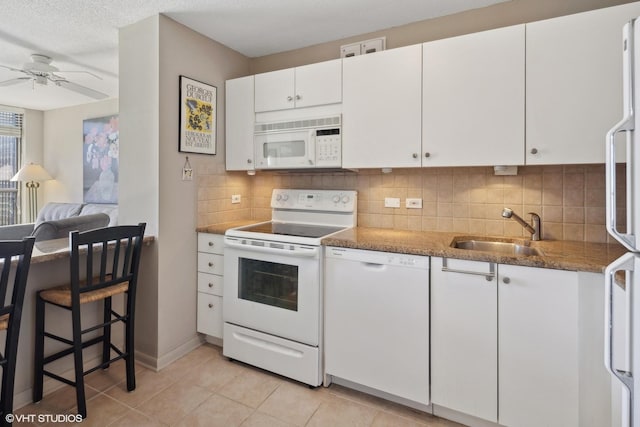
<point>40,71</point>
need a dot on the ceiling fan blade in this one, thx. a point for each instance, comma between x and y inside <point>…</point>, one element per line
<point>81,89</point>
<point>11,68</point>
<point>14,81</point>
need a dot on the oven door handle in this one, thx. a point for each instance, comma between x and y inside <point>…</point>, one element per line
<point>299,251</point>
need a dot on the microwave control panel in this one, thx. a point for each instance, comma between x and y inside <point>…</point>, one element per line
<point>328,147</point>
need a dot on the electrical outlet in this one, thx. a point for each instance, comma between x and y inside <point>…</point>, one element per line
<point>391,202</point>
<point>413,203</point>
<point>236,198</point>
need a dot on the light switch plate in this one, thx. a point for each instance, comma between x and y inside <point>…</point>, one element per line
<point>236,198</point>
<point>391,202</point>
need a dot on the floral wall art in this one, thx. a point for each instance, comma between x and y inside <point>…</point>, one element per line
<point>100,156</point>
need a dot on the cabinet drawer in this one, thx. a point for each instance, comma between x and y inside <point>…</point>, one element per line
<point>210,314</point>
<point>211,243</point>
<point>210,263</point>
<point>210,283</point>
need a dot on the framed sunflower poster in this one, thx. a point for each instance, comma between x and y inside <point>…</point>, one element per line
<point>197,117</point>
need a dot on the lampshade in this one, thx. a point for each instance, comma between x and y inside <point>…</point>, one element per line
<point>31,172</point>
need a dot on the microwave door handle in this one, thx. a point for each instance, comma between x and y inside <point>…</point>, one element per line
<point>311,157</point>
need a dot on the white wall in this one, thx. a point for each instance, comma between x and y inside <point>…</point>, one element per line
<point>62,149</point>
<point>139,189</point>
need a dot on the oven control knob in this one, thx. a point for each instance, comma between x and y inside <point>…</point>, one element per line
<point>278,197</point>
<point>336,199</point>
<point>285,197</point>
<point>345,199</point>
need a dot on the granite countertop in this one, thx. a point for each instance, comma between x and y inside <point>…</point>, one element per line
<point>222,227</point>
<point>557,254</point>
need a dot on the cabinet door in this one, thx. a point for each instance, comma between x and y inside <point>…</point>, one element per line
<point>574,84</point>
<point>209,318</point>
<point>319,84</point>
<point>464,338</point>
<point>381,104</point>
<point>275,90</point>
<point>239,119</point>
<point>538,347</point>
<point>473,99</point>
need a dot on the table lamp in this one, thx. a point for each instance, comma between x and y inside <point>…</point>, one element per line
<point>32,174</point>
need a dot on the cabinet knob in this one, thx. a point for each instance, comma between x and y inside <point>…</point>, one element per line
<point>211,285</point>
<point>506,280</point>
<point>298,97</point>
<point>289,98</point>
<point>211,243</point>
<point>249,161</point>
<point>210,264</point>
<point>534,151</point>
<point>414,155</point>
<point>427,154</point>
<point>210,305</point>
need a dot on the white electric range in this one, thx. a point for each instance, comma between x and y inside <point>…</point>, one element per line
<point>273,282</point>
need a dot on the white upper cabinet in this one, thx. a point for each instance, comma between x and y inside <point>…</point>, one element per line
<point>306,86</point>
<point>574,84</point>
<point>473,99</point>
<point>381,105</point>
<point>239,118</point>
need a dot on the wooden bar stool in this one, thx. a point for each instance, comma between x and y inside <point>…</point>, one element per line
<point>11,312</point>
<point>111,268</point>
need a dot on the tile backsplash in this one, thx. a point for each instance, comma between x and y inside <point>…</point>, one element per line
<point>570,199</point>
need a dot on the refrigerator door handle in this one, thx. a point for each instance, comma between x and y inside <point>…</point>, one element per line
<point>627,124</point>
<point>628,240</point>
<point>625,262</point>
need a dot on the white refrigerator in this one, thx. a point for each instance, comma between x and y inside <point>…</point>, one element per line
<point>622,298</point>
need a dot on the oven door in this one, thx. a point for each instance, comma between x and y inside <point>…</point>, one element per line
<point>273,287</point>
<point>280,150</point>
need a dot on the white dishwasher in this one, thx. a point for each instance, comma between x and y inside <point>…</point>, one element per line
<point>377,321</point>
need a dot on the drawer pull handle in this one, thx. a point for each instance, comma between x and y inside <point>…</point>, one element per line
<point>210,243</point>
<point>210,305</point>
<point>506,280</point>
<point>211,285</point>
<point>210,264</point>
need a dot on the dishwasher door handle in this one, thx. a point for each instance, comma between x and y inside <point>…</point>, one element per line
<point>489,276</point>
<point>373,265</point>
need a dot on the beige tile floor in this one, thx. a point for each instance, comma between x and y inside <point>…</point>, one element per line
<point>205,389</point>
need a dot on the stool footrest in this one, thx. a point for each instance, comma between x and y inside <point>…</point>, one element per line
<point>68,351</point>
<point>59,378</point>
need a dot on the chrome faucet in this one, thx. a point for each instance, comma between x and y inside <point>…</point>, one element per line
<point>534,228</point>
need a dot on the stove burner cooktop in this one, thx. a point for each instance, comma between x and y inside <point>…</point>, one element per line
<point>289,229</point>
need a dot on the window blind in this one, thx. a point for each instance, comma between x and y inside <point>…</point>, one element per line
<point>11,124</point>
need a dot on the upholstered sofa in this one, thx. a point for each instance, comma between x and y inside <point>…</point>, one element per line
<point>56,220</point>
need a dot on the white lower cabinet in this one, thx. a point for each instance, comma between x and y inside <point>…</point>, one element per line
<point>504,343</point>
<point>538,361</point>
<point>464,337</point>
<point>210,284</point>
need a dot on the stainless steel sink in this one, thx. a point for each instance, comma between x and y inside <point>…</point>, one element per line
<point>495,246</point>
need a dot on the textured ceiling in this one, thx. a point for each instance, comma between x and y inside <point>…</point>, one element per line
<point>83,35</point>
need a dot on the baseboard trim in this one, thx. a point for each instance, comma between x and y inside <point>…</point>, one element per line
<point>175,354</point>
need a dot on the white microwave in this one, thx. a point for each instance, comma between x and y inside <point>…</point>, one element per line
<point>299,144</point>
